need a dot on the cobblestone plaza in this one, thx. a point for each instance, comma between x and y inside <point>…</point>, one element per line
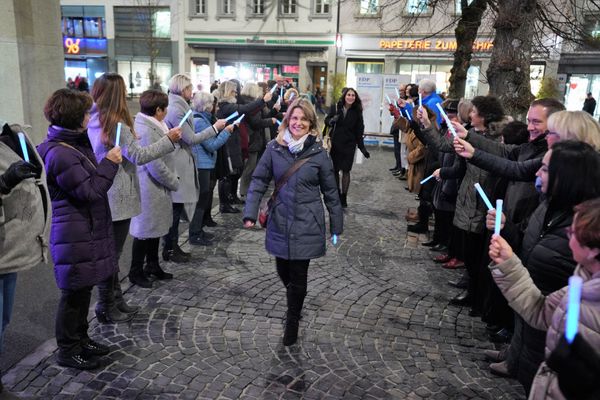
<point>376,322</point>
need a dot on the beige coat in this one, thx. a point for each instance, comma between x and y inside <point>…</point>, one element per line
<point>416,161</point>
<point>549,313</point>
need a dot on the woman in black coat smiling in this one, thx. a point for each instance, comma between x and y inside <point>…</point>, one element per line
<point>347,128</point>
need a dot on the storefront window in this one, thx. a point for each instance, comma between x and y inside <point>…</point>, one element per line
<point>200,74</point>
<point>136,75</point>
<point>440,73</point>
<point>251,72</point>
<point>577,89</point>
<point>362,67</point>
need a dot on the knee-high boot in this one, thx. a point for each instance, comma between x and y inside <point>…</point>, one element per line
<point>295,300</point>
<point>106,308</point>
<point>120,300</point>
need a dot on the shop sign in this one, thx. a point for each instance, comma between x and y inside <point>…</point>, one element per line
<point>84,46</point>
<point>431,45</point>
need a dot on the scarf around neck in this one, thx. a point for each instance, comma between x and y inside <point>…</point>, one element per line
<point>294,146</point>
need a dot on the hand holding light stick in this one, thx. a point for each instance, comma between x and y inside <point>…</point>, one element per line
<point>498,223</point>
<point>232,116</point>
<point>484,197</point>
<point>573,302</point>
<point>118,136</point>
<point>237,121</point>
<point>420,101</point>
<point>426,179</point>
<point>185,117</point>
<point>23,146</point>
<point>445,116</point>
<point>278,122</point>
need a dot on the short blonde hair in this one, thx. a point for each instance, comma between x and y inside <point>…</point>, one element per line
<point>308,110</point>
<point>575,125</point>
<point>251,89</point>
<point>203,102</point>
<point>179,82</point>
<point>227,92</point>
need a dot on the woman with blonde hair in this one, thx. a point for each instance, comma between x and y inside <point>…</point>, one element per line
<point>573,125</point>
<point>296,226</point>
<point>110,110</point>
<point>180,94</point>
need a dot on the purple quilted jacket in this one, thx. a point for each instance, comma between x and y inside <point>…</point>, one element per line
<point>81,236</point>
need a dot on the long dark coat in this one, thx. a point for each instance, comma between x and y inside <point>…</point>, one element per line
<point>81,237</point>
<point>296,227</point>
<point>347,135</point>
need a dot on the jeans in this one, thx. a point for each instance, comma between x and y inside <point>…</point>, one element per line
<point>71,320</point>
<point>8,284</point>
<point>197,221</point>
<point>172,237</point>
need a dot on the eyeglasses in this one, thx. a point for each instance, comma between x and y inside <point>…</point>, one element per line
<point>570,232</point>
<point>550,133</point>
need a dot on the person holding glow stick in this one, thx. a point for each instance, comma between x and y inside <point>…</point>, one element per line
<point>230,159</point>
<point>22,187</point>
<point>311,183</point>
<point>545,248</point>
<point>110,108</point>
<point>546,310</point>
<point>82,236</point>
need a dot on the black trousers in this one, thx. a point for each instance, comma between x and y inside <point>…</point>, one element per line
<point>144,249</point>
<point>71,320</point>
<point>473,249</point>
<point>197,222</point>
<point>443,226</point>
<point>294,275</point>
<point>173,235</point>
<point>121,230</point>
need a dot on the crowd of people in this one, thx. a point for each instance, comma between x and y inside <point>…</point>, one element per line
<point>102,174</point>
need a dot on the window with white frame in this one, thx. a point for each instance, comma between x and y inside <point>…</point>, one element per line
<point>199,7</point>
<point>288,7</point>
<point>458,7</point>
<point>368,7</point>
<point>227,8</point>
<point>417,6</point>
<point>257,7</point>
<point>322,7</point>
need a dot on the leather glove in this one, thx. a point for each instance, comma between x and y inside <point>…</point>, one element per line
<point>365,153</point>
<point>394,111</point>
<point>333,120</point>
<point>578,367</point>
<point>17,172</point>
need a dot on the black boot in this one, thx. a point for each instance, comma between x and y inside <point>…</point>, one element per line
<point>295,300</point>
<point>120,301</point>
<point>137,276</point>
<point>172,252</point>
<point>106,308</point>
<point>153,268</point>
<point>343,199</point>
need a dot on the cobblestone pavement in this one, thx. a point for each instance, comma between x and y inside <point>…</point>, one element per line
<point>376,323</point>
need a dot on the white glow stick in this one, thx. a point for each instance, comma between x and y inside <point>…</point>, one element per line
<point>573,301</point>
<point>185,117</point>
<point>498,217</point>
<point>484,197</point>
<point>334,239</point>
<point>278,122</point>
<point>232,116</point>
<point>388,99</point>
<point>291,96</point>
<point>426,179</point>
<point>281,92</point>
<point>237,121</point>
<point>445,116</point>
<point>408,115</point>
<point>397,93</point>
<point>23,146</point>
<point>273,89</point>
<point>118,137</point>
<point>420,101</point>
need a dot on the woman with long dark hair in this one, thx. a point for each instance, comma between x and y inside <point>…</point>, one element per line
<point>347,129</point>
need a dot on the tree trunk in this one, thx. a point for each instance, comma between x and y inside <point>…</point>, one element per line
<point>508,73</point>
<point>466,33</point>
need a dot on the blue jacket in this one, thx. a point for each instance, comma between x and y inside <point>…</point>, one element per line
<point>296,227</point>
<point>430,101</point>
<point>205,153</point>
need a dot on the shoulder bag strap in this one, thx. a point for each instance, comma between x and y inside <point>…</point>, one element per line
<point>283,180</point>
<point>84,156</point>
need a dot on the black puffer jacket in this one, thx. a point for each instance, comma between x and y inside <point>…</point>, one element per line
<point>547,256</point>
<point>256,126</point>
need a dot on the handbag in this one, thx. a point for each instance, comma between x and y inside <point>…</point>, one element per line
<point>265,207</point>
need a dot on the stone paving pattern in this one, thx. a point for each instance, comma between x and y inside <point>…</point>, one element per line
<point>376,323</point>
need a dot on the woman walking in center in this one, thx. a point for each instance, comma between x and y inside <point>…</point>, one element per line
<point>296,228</point>
<point>348,128</point>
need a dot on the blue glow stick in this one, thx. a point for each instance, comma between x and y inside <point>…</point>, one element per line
<point>273,89</point>
<point>281,92</point>
<point>447,120</point>
<point>426,179</point>
<point>420,101</point>
<point>23,146</point>
<point>118,136</point>
<point>185,117</point>
<point>237,121</point>
<point>408,115</point>
<point>334,239</point>
<point>278,122</point>
<point>485,199</point>
<point>388,99</point>
<point>573,302</point>
<point>232,116</point>
<point>498,217</point>
<point>397,93</point>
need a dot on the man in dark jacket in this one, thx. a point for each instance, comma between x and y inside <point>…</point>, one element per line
<point>589,104</point>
